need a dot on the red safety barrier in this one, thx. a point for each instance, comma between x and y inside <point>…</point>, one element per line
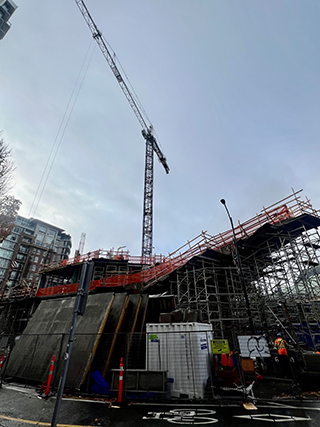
<point>1,361</point>
<point>120,381</point>
<point>50,375</point>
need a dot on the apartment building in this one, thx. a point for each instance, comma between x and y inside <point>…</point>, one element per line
<point>7,8</point>
<point>31,244</point>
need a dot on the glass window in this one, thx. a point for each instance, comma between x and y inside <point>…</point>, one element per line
<point>51,233</point>
<point>48,240</point>
<point>4,263</point>
<point>42,229</point>
<point>23,249</point>
<point>2,272</point>
<point>17,230</point>
<point>26,239</point>
<point>14,275</point>
<point>39,238</point>
<point>7,244</point>
<point>35,259</point>
<point>5,253</point>
<point>33,267</point>
<point>21,257</point>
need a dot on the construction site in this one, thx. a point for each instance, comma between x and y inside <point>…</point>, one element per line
<point>198,292</point>
<point>199,323</point>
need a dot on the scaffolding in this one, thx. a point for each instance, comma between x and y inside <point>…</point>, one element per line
<point>280,267</point>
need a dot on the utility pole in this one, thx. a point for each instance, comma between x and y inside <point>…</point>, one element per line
<point>79,309</point>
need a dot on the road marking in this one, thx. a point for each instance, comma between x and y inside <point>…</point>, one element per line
<point>183,416</point>
<point>39,423</point>
<point>273,418</point>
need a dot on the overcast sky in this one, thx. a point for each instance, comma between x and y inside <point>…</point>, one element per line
<point>232,88</point>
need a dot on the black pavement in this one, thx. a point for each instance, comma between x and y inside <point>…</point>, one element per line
<point>21,407</point>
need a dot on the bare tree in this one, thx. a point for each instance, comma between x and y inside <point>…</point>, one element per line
<point>9,205</point>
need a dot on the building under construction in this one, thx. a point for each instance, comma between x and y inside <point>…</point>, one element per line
<point>258,279</point>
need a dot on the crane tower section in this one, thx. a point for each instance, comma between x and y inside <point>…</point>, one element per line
<point>147,132</point>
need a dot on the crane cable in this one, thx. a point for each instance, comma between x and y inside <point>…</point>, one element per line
<point>61,130</point>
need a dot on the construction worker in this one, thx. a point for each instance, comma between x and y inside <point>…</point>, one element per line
<point>281,345</point>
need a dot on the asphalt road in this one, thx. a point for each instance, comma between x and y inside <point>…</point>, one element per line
<point>21,407</point>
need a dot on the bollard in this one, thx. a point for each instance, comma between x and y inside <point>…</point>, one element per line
<point>50,376</point>
<point>1,361</point>
<point>120,381</point>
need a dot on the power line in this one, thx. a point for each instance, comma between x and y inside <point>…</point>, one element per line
<point>61,130</point>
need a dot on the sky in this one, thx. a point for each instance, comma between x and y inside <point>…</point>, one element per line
<point>232,88</point>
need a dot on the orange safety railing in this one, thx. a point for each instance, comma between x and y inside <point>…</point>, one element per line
<point>163,266</point>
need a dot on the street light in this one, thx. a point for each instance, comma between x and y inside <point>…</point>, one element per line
<point>237,261</point>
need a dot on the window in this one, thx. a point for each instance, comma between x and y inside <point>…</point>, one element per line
<point>7,7</point>
<point>14,275</point>
<point>23,249</point>
<point>35,259</point>
<point>26,239</point>
<point>21,257</point>
<point>51,233</point>
<point>2,272</point>
<point>33,267</point>
<point>48,240</point>
<point>36,251</point>
<point>42,229</point>
<point>7,245</point>
<point>31,276</point>
<point>39,238</point>
<point>17,230</point>
<point>5,253</point>
<point>4,263</point>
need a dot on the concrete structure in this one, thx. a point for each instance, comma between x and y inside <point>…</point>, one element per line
<point>31,244</point>
<point>7,8</point>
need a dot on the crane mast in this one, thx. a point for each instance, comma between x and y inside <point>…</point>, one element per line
<point>151,142</point>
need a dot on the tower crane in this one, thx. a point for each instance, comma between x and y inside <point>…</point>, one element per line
<point>147,132</point>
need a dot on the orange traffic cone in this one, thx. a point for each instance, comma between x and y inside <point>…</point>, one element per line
<point>224,359</point>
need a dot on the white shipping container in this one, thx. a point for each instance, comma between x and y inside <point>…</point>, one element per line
<point>183,350</point>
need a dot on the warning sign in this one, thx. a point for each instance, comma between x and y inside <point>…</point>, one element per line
<point>220,346</point>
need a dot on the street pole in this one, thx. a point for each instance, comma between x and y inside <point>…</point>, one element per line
<point>79,309</point>
<point>239,268</point>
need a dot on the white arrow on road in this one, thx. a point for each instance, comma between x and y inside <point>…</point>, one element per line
<point>273,418</point>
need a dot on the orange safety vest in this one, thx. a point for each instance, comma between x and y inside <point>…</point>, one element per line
<point>281,346</point>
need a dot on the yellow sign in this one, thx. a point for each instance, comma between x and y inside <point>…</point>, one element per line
<point>220,346</point>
